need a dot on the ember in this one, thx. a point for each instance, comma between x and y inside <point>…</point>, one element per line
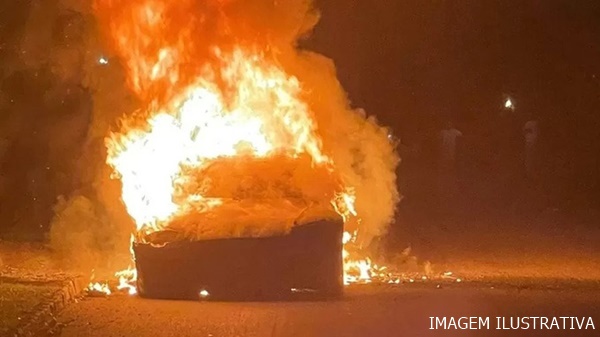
<point>240,134</point>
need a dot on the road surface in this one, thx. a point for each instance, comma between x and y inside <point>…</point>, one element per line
<point>402,310</point>
<point>528,269</point>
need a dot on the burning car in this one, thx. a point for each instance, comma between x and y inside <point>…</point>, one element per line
<point>236,170</point>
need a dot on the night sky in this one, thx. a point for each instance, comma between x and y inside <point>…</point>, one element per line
<point>418,64</point>
<point>457,58</point>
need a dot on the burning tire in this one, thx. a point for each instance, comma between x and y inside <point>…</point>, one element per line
<point>265,268</point>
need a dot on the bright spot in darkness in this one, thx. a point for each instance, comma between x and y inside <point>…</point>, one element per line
<point>203,293</point>
<point>103,60</point>
<point>508,104</point>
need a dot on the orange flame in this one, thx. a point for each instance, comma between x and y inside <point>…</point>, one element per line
<point>98,287</point>
<point>264,116</point>
<point>204,103</point>
<point>127,280</point>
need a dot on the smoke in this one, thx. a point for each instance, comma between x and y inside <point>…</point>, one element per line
<point>190,30</point>
<point>90,228</point>
<point>360,147</point>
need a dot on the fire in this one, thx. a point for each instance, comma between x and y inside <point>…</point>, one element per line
<point>127,279</point>
<point>219,117</point>
<point>99,288</point>
<point>258,114</point>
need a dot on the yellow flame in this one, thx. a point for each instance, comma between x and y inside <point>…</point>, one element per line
<point>264,116</point>
<point>127,280</point>
<point>99,288</point>
<point>240,103</point>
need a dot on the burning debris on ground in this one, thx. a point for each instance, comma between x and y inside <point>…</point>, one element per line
<point>376,276</point>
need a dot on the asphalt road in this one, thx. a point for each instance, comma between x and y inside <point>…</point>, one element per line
<point>530,271</point>
<point>402,310</point>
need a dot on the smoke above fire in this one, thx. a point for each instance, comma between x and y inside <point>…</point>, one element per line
<point>176,52</point>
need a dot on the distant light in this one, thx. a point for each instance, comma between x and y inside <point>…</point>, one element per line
<point>103,60</point>
<point>509,104</point>
<point>203,293</point>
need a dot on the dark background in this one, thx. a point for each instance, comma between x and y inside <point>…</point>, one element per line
<point>415,65</point>
<point>419,64</point>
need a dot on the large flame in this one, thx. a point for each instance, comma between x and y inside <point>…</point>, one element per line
<point>220,102</point>
<point>256,112</point>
